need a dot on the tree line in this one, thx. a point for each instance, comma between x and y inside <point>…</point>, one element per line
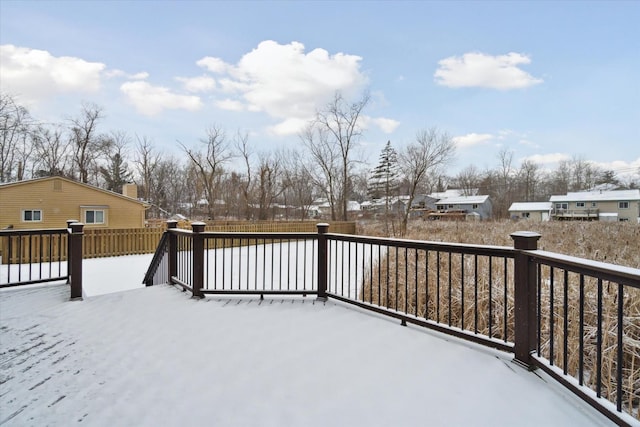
<point>223,175</point>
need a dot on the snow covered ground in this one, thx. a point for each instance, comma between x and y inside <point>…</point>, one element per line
<point>154,356</point>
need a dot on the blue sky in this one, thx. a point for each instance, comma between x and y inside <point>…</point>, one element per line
<point>547,80</point>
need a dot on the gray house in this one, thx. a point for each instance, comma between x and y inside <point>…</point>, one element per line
<point>472,207</point>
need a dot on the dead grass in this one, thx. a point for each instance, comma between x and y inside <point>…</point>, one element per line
<point>433,288</point>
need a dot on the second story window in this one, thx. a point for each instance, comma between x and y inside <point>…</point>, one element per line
<point>579,204</point>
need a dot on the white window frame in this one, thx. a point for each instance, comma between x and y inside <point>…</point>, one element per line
<point>32,211</point>
<point>594,204</point>
<point>623,205</point>
<point>95,211</point>
<point>562,206</point>
<point>580,205</point>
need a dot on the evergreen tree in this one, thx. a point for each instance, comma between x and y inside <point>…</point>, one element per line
<point>384,182</point>
<point>116,174</point>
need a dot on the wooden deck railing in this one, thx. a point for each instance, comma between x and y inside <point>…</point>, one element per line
<point>577,320</point>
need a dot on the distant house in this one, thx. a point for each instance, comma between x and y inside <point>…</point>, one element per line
<point>50,202</point>
<point>620,205</point>
<point>322,208</point>
<point>471,207</point>
<point>397,205</point>
<point>535,211</point>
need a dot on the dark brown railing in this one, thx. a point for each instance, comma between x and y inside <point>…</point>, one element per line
<point>553,312</point>
<point>41,256</point>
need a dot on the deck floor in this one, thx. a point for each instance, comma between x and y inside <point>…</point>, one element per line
<point>155,356</point>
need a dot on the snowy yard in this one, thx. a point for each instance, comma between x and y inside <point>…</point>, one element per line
<point>154,356</point>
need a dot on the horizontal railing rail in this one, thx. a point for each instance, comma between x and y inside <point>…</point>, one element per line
<point>575,319</point>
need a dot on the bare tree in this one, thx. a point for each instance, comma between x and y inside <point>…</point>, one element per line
<point>269,186</point>
<point>52,151</point>
<point>209,163</point>
<point>146,161</point>
<point>529,180</point>
<point>324,168</point>
<point>468,180</point>
<point>241,142</point>
<point>298,184</point>
<point>85,140</point>
<point>331,139</point>
<point>431,150</point>
<point>15,149</point>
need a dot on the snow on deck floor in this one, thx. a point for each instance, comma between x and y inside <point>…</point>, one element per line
<point>155,356</point>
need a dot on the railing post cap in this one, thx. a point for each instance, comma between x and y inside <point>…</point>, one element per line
<point>71,221</point>
<point>172,223</point>
<point>527,240</point>
<point>322,226</point>
<point>76,227</point>
<point>526,234</point>
<point>198,226</point>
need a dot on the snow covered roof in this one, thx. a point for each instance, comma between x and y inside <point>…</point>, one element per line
<point>454,192</point>
<point>463,200</point>
<point>530,206</point>
<point>597,196</point>
<point>155,356</point>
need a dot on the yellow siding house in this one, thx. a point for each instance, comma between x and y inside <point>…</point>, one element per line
<point>50,202</point>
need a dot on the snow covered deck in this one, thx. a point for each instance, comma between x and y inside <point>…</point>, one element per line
<point>154,356</point>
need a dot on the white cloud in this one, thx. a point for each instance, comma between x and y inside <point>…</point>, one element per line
<point>477,69</point>
<point>198,84</point>
<point>151,100</point>
<point>36,74</point>
<point>386,125</point>
<point>472,139</point>
<point>230,105</point>
<point>545,159</point>
<point>285,82</point>
<point>289,126</point>
<point>215,65</point>
<point>119,73</point>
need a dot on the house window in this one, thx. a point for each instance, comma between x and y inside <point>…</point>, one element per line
<point>579,204</point>
<point>562,206</point>
<point>450,206</point>
<point>525,214</point>
<point>32,215</point>
<point>623,205</point>
<point>94,217</point>
<point>594,204</point>
<point>475,206</point>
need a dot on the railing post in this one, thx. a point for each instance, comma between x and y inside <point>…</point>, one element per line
<point>525,282</point>
<point>69,250</point>
<point>74,259</point>
<point>173,250</point>
<point>198,259</point>
<point>323,228</point>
